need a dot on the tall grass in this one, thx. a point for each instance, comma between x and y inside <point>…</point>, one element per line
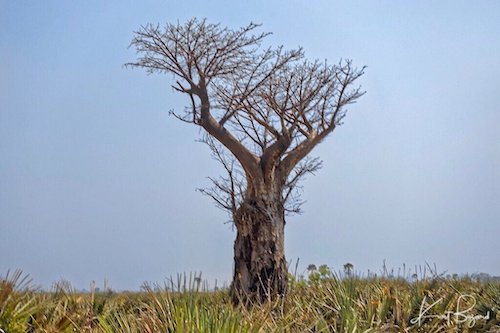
<point>322,301</point>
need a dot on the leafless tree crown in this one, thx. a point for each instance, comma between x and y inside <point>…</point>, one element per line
<point>264,109</point>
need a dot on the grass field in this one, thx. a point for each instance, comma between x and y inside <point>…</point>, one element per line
<point>321,302</point>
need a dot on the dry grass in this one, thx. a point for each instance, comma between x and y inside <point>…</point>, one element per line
<point>322,302</point>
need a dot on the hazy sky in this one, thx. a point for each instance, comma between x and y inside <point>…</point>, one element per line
<point>97,181</point>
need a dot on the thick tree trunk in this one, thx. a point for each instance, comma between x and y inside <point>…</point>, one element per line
<point>260,270</point>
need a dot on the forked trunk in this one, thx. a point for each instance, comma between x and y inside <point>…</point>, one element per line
<point>260,270</point>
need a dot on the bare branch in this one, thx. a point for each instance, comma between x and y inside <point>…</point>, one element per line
<point>226,191</point>
<point>291,195</point>
<point>267,108</point>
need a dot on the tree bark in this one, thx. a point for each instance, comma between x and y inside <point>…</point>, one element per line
<point>260,269</point>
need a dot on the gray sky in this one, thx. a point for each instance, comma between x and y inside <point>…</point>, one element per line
<point>97,181</point>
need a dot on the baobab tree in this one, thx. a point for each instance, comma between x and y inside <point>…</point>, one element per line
<point>263,110</point>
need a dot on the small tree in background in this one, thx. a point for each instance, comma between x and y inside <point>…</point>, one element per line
<point>348,268</point>
<point>263,111</point>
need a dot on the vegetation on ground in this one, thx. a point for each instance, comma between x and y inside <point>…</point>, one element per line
<point>322,301</point>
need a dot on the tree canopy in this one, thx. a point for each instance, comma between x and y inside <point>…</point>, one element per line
<point>267,106</point>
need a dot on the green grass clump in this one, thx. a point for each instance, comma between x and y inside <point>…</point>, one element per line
<point>320,302</point>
